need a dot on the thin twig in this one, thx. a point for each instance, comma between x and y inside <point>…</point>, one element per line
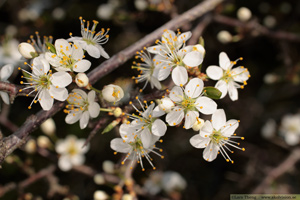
<point>286,165</point>
<point>13,141</point>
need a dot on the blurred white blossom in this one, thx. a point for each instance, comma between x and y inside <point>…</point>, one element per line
<point>48,127</point>
<point>244,14</point>
<point>224,37</point>
<point>5,73</point>
<point>269,129</point>
<point>290,129</point>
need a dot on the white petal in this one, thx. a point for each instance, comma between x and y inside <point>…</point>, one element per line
<point>118,145</point>
<point>64,163</point>
<point>174,117</point>
<point>93,51</point>
<point>176,94</point>
<point>190,119</point>
<point>224,61</point>
<point>222,86</point>
<point>183,38</point>
<point>240,74</point>
<point>206,130</point>
<point>199,142</point>
<point>218,119</point>
<point>206,105</point>
<point>4,97</point>
<point>45,99</point>
<point>214,72</point>
<point>154,49</point>
<point>179,75</point>
<point>60,94</point>
<point>159,128</point>
<point>71,119</point>
<point>164,72</point>
<point>61,79</point>
<point>6,71</point>
<point>60,146</point>
<point>82,66</point>
<point>194,88</point>
<point>77,159</point>
<point>102,52</point>
<point>157,112</point>
<point>230,127</point>
<point>91,96</point>
<point>210,152</point>
<point>291,138</point>
<point>53,59</point>
<point>232,90</point>
<point>94,109</point>
<point>193,59</point>
<point>146,138</point>
<point>148,111</point>
<point>154,82</point>
<point>84,119</point>
<point>62,47</point>
<point>77,51</point>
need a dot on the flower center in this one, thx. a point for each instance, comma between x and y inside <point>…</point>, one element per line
<point>216,137</point>
<point>188,104</point>
<point>44,81</point>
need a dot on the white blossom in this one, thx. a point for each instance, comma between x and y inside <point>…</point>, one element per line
<point>9,53</point>
<point>216,136</point>
<point>244,14</point>
<point>91,41</point>
<point>189,103</point>
<point>227,77</point>
<point>71,152</point>
<point>269,129</point>
<point>112,93</point>
<point>47,86</point>
<point>5,73</point>
<point>82,107</point>
<point>290,129</point>
<point>68,57</point>
<point>48,127</point>
<point>26,50</point>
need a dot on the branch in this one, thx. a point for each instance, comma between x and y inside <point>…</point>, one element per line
<point>255,26</point>
<point>285,166</point>
<point>10,143</point>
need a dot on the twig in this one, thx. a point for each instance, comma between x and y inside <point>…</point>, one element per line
<point>286,165</point>
<point>10,143</point>
<point>13,90</point>
<point>253,25</point>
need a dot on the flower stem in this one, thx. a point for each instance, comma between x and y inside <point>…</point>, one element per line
<point>96,90</point>
<point>106,110</point>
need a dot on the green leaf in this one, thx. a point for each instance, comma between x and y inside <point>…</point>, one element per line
<point>110,126</point>
<point>51,47</point>
<point>212,92</point>
<point>34,54</point>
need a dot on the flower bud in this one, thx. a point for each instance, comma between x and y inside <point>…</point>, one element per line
<point>30,146</point>
<point>127,197</point>
<point>100,195</point>
<point>81,79</point>
<point>198,124</point>
<point>108,167</point>
<point>43,142</point>
<point>112,93</point>
<point>99,179</point>
<point>166,104</point>
<point>117,112</point>
<point>26,50</point>
<point>224,37</point>
<point>48,127</point>
<point>244,14</point>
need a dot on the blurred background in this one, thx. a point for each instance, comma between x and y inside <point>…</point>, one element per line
<point>265,33</point>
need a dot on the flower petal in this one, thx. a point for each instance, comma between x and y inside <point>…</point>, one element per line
<point>190,119</point>
<point>82,66</point>
<point>84,119</point>
<point>206,105</point>
<point>62,47</point>
<point>93,51</point>
<point>53,59</point>
<point>77,51</point>
<point>214,72</point>
<point>60,94</point>
<point>206,130</point>
<point>176,94</point>
<point>174,117</point>
<point>6,71</point>
<point>224,61</point>
<point>72,118</point>
<point>199,142</point>
<point>240,74</point>
<point>230,127</point>
<point>179,75</point>
<point>77,159</point>
<point>222,86</point>
<point>159,128</point>
<point>155,83</point>
<point>118,145</point>
<point>45,99</point>
<point>64,163</point>
<point>193,59</point>
<point>163,72</point>
<point>232,90</point>
<point>194,88</point>
<point>4,97</point>
<point>218,119</point>
<point>210,152</point>
<point>61,79</point>
<point>146,138</point>
<point>94,109</point>
<point>102,52</point>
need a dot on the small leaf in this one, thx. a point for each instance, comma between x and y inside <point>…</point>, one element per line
<point>201,41</point>
<point>110,126</point>
<point>51,47</point>
<point>212,92</point>
<point>34,54</point>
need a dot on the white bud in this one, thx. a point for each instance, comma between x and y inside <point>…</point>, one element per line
<point>112,93</point>
<point>26,50</point>
<point>105,11</point>
<point>108,167</point>
<point>244,14</point>
<point>269,129</point>
<point>48,127</point>
<point>43,141</point>
<point>30,146</point>
<point>224,37</point>
<point>269,21</point>
<point>81,79</point>
<point>100,195</point>
<point>117,112</point>
<point>270,78</point>
<point>99,179</point>
<point>166,104</point>
<point>198,124</point>
<point>141,4</point>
